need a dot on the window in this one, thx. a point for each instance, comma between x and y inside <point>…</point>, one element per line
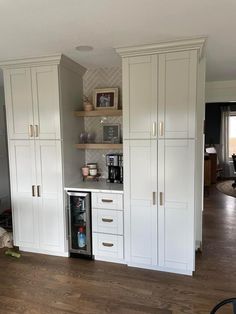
<point>232,134</point>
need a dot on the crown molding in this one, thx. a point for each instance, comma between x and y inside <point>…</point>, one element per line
<point>56,59</point>
<point>163,47</point>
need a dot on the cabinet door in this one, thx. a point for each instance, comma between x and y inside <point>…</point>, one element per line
<point>46,102</point>
<point>24,204</point>
<point>19,109</point>
<point>177,84</point>
<point>50,195</point>
<point>176,204</point>
<point>140,97</point>
<point>140,207</point>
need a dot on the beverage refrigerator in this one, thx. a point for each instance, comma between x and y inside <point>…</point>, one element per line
<point>79,223</point>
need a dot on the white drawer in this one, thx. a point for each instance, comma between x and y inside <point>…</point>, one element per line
<point>107,245</point>
<point>107,221</point>
<point>107,200</point>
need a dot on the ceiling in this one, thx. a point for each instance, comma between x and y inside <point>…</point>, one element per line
<point>41,27</point>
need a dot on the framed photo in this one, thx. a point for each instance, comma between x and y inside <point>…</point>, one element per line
<point>111,133</point>
<point>105,98</point>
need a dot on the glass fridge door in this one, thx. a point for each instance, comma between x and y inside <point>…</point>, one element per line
<point>79,223</point>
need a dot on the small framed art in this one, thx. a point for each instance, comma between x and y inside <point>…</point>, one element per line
<point>105,98</point>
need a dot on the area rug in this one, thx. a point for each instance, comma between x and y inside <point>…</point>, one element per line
<point>226,188</point>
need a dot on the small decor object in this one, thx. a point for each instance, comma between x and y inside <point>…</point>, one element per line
<point>83,137</point>
<point>111,133</point>
<point>106,98</point>
<point>85,171</point>
<point>87,105</point>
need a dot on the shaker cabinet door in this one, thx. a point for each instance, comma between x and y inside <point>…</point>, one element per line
<point>177,84</point>
<point>19,108</point>
<point>23,193</point>
<point>140,97</point>
<point>140,206</point>
<point>50,195</point>
<point>176,204</point>
<point>46,102</point>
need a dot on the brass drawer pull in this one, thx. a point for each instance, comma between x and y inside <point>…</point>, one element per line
<point>107,244</point>
<point>107,220</point>
<point>154,127</point>
<point>104,200</point>
<point>161,128</point>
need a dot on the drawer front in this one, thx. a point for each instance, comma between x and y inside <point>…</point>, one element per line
<point>108,245</point>
<point>107,200</point>
<point>107,221</point>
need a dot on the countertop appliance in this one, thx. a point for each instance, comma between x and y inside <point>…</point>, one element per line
<point>79,223</point>
<point>114,163</point>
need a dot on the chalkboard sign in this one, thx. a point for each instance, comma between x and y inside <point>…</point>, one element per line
<point>111,133</point>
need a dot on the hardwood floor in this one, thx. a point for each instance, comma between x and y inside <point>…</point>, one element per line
<point>45,284</point>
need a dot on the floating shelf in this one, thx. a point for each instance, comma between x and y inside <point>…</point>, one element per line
<point>99,113</point>
<point>99,146</point>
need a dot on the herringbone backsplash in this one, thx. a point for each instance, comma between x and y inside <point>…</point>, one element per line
<point>101,78</point>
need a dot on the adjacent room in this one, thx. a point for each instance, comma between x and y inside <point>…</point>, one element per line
<point>117,157</point>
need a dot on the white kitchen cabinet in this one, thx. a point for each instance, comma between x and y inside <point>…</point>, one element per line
<point>140,202</point>
<point>23,179</point>
<point>176,204</point>
<point>163,97</point>
<point>41,94</point>
<point>32,97</point>
<point>36,186</point>
<point>140,97</point>
<point>177,94</point>
<point>107,226</point>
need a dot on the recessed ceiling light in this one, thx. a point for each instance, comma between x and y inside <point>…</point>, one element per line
<point>84,48</point>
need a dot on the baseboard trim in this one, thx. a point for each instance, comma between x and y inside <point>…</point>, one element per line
<point>39,251</point>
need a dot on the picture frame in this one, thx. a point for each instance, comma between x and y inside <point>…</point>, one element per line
<point>105,98</point>
<point>111,133</point>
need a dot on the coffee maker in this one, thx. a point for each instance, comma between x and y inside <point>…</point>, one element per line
<point>114,163</point>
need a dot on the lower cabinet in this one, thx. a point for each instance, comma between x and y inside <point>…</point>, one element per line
<point>140,202</point>
<point>107,226</point>
<point>37,195</point>
<point>159,204</point>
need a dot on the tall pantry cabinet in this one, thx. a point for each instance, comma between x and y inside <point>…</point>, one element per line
<point>163,106</point>
<point>40,95</point>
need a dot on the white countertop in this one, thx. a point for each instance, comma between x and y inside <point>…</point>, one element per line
<point>95,186</point>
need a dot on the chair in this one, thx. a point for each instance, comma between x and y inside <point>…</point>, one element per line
<point>224,302</point>
<point>234,162</point>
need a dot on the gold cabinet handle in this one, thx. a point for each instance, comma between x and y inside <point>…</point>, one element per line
<point>106,200</point>
<point>31,130</point>
<point>107,220</point>
<point>36,130</point>
<point>33,190</point>
<point>154,129</point>
<point>154,198</point>
<point>38,190</point>
<point>161,128</point>
<point>161,198</point>
<point>107,244</point>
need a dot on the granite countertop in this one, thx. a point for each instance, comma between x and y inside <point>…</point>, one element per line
<point>95,186</point>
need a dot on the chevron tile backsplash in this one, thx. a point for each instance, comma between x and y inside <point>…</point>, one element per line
<point>101,78</point>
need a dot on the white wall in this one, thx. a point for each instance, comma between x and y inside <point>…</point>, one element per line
<point>221,91</point>
<point>4,172</point>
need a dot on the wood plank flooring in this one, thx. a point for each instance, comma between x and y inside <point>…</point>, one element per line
<point>52,285</point>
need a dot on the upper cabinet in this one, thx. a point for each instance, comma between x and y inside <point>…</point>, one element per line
<point>177,85</point>
<point>140,97</point>
<point>32,98</point>
<point>160,89</point>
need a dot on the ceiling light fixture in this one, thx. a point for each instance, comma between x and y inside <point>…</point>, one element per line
<point>84,48</point>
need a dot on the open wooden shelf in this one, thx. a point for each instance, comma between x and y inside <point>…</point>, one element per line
<point>99,113</point>
<point>99,146</point>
